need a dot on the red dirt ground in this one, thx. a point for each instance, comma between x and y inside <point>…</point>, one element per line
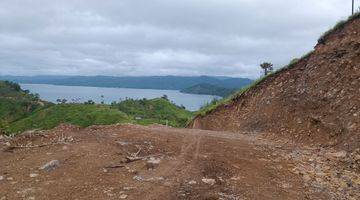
<point>93,166</point>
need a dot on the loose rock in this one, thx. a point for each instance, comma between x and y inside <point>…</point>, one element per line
<point>138,178</point>
<point>50,165</point>
<point>192,182</point>
<point>33,175</point>
<point>338,155</point>
<point>209,181</point>
<point>152,163</point>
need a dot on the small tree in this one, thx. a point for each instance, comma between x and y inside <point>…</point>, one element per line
<point>267,67</point>
<point>89,102</point>
<point>36,97</point>
<point>102,99</point>
<point>165,97</point>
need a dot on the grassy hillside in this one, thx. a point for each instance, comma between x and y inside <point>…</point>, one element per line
<point>159,110</point>
<point>21,111</point>
<point>16,103</point>
<point>144,112</point>
<point>77,114</point>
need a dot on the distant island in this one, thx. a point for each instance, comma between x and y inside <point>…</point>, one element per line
<point>210,85</point>
<point>209,89</point>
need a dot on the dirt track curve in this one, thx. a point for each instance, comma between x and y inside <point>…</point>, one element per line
<point>194,164</point>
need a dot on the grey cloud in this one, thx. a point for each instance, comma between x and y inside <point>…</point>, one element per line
<point>159,37</point>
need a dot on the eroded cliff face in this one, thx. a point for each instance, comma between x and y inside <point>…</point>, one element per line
<point>316,101</point>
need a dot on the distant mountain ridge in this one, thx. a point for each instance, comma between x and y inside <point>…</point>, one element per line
<point>139,82</point>
<point>205,88</point>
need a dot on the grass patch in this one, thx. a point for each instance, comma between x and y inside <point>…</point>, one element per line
<point>150,111</point>
<point>143,112</point>
<point>77,114</point>
<point>16,103</point>
<point>338,26</point>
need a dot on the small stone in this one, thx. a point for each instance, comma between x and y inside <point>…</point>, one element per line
<point>152,163</point>
<point>123,143</point>
<point>123,196</point>
<point>9,178</point>
<point>235,178</point>
<point>167,184</point>
<point>209,181</point>
<point>1,178</point>
<point>192,182</point>
<point>128,188</point>
<point>50,165</point>
<point>286,185</point>
<point>138,178</point>
<point>307,178</point>
<point>338,155</point>
<point>155,179</point>
<point>33,175</point>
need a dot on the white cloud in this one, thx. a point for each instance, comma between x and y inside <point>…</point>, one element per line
<point>159,37</point>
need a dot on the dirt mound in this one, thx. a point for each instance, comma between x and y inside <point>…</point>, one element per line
<point>314,101</point>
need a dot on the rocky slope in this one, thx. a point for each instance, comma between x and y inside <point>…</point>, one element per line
<point>314,101</point>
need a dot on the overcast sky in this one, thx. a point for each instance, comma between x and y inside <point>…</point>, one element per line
<point>159,37</point>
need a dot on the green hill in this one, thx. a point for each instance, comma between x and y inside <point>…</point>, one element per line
<point>16,103</point>
<point>77,114</point>
<point>142,112</point>
<point>208,89</point>
<point>150,111</point>
<point>21,111</point>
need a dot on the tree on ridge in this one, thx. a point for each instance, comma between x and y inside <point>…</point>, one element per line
<point>267,67</point>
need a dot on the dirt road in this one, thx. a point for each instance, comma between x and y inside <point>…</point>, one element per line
<point>135,162</point>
